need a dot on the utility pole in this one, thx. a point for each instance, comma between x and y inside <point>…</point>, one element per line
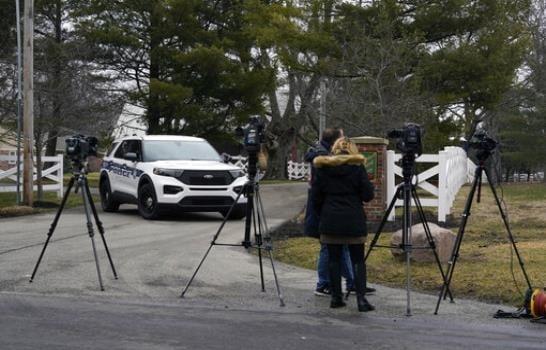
<point>322,114</point>
<point>28,110</point>
<point>19,97</point>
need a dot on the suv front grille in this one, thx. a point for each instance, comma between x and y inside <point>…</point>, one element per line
<point>204,177</point>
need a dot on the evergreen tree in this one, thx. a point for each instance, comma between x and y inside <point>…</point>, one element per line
<point>443,63</point>
<point>521,121</point>
<point>188,62</point>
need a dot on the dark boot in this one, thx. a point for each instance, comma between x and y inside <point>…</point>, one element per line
<point>334,269</point>
<point>360,285</point>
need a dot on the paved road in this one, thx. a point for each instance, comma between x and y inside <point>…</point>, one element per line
<point>64,309</point>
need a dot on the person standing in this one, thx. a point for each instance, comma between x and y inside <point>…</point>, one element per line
<point>340,186</point>
<point>329,136</point>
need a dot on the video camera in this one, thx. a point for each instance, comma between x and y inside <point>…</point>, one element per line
<point>253,135</point>
<point>409,138</point>
<point>480,146</point>
<point>79,147</point>
<point>482,141</point>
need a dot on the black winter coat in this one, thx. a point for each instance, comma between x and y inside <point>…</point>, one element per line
<point>311,216</point>
<point>339,187</point>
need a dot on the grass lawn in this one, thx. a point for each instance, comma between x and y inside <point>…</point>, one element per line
<point>8,207</point>
<point>483,270</point>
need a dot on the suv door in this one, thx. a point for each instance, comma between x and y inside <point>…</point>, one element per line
<point>127,174</point>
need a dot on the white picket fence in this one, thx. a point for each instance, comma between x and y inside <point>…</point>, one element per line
<point>451,165</point>
<point>239,161</point>
<point>298,171</point>
<point>53,175</point>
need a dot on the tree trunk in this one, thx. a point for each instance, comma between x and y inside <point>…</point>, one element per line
<point>277,168</point>
<point>51,144</point>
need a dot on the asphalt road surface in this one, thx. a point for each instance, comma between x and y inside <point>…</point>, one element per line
<point>224,308</point>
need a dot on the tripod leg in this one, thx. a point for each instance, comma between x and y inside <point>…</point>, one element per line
<point>249,187</point>
<point>100,227</point>
<point>226,218</point>
<point>279,293</point>
<point>212,243</point>
<point>406,243</point>
<point>457,246</point>
<point>510,235</point>
<point>262,211</point>
<point>428,235</point>
<point>383,222</point>
<point>196,270</point>
<point>258,240</point>
<point>268,247</point>
<point>82,183</point>
<point>53,226</point>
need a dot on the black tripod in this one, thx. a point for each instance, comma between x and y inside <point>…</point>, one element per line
<point>255,218</point>
<point>407,191</point>
<point>478,175</point>
<point>79,177</point>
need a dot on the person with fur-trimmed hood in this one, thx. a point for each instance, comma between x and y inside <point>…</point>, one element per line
<point>312,218</point>
<point>340,185</point>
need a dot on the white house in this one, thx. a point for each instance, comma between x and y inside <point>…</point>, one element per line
<point>130,122</point>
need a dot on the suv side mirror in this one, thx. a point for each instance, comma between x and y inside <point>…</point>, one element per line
<point>132,156</point>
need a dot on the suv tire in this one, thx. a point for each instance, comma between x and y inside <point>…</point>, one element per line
<point>148,207</point>
<point>107,202</point>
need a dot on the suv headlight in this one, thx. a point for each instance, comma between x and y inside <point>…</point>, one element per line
<point>168,172</point>
<point>237,173</point>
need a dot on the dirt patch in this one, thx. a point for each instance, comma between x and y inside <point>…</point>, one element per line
<point>16,211</point>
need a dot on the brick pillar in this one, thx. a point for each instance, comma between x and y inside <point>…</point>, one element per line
<point>375,151</point>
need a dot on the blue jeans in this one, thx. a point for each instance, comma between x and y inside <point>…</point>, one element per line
<point>322,267</point>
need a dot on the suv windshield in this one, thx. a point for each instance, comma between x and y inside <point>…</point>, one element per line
<point>178,150</point>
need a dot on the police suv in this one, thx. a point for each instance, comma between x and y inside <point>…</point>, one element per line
<point>170,172</point>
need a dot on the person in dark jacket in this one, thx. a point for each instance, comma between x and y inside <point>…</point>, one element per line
<point>340,185</point>
<point>329,136</point>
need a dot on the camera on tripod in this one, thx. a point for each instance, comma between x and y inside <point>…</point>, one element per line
<point>253,135</point>
<point>481,141</point>
<point>409,138</point>
<point>79,147</point>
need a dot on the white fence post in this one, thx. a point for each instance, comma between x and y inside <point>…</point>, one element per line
<point>442,186</point>
<point>390,181</point>
<point>60,174</point>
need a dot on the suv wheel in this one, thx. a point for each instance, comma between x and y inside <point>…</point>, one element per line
<point>147,202</point>
<point>108,204</point>
<point>237,213</point>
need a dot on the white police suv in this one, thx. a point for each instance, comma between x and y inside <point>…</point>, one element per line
<point>159,173</point>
